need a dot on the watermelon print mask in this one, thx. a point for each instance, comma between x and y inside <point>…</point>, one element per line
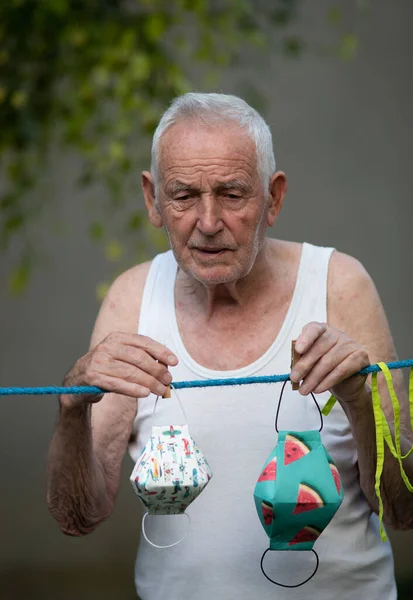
<point>297,493</point>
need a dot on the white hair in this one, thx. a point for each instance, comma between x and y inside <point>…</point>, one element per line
<point>217,108</point>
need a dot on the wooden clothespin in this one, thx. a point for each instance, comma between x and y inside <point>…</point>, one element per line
<point>294,358</point>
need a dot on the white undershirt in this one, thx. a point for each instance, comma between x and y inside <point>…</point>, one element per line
<point>234,427</point>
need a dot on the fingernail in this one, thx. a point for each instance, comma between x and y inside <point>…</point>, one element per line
<point>295,376</point>
<point>172,360</point>
<point>299,347</point>
<point>167,378</point>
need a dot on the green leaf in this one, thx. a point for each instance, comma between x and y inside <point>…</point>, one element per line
<point>281,16</point>
<point>4,57</point>
<point>134,222</point>
<point>155,26</point>
<point>102,289</point>
<point>335,15</point>
<point>349,47</point>
<point>13,223</point>
<point>18,99</point>
<point>78,37</point>
<point>116,150</point>
<point>96,231</point>
<point>114,251</point>
<point>139,66</point>
<point>101,76</point>
<point>293,47</point>
<point>19,278</point>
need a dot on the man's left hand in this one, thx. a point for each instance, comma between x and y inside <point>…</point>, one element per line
<point>328,361</point>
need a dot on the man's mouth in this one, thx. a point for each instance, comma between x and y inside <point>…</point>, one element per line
<point>210,251</point>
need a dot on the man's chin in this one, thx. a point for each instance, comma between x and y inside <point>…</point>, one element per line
<point>213,274</point>
<point>211,270</point>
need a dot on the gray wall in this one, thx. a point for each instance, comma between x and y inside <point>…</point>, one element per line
<point>342,133</point>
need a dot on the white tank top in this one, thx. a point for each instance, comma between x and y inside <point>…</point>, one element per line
<point>234,427</point>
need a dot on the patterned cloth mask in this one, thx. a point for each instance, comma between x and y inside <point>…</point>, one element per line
<point>298,492</point>
<point>170,473</point>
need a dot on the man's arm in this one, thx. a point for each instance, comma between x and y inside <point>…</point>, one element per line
<point>358,334</point>
<point>355,307</point>
<point>92,433</point>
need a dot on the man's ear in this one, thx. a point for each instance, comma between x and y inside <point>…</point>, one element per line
<point>277,189</point>
<point>148,188</point>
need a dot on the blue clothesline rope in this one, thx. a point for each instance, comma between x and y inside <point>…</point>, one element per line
<point>180,385</point>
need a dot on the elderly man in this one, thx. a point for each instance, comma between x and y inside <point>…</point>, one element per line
<point>226,301</point>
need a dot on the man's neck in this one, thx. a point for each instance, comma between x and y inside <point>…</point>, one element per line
<point>240,294</point>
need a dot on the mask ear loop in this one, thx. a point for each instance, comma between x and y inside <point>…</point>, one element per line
<point>166,545</point>
<point>179,402</point>
<point>296,585</point>
<point>312,550</point>
<point>279,406</point>
<point>147,513</point>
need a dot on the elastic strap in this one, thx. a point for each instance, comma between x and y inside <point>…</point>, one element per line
<point>167,545</point>
<point>279,406</point>
<point>284,584</point>
<point>179,402</point>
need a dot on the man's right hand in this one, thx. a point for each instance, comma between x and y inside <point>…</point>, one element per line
<point>123,363</point>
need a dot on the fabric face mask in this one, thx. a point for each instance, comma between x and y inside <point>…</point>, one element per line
<point>297,493</point>
<point>170,473</point>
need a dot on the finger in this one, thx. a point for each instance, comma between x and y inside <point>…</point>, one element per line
<point>327,364</point>
<point>316,351</point>
<point>351,365</point>
<point>144,361</point>
<point>155,349</point>
<point>120,386</point>
<point>310,333</point>
<point>131,374</point>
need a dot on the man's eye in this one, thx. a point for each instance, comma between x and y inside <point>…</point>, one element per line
<point>232,196</point>
<point>185,197</point>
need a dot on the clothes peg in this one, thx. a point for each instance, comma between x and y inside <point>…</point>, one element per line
<point>294,358</point>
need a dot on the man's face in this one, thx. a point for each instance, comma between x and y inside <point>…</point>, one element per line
<point>211,200</point>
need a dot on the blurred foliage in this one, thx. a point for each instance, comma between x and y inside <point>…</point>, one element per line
<point>92,77</point>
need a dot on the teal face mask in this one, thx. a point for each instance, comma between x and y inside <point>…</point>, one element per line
<point>298,492</point>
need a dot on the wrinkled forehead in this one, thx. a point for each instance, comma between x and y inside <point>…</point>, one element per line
<point>191,145</point>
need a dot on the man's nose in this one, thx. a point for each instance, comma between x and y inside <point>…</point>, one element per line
<point>209,215</point>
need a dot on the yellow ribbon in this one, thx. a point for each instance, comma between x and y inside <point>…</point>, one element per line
<point>383,433</point>
<point>378,419</point>
<point>328,406</point>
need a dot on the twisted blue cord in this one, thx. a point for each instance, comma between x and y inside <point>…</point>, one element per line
<point>180,385</point>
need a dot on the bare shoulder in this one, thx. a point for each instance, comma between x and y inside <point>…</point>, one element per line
<point>121,306</point>
<point>347,278</point>
<point>348,283</point>
<point>354,306</point>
